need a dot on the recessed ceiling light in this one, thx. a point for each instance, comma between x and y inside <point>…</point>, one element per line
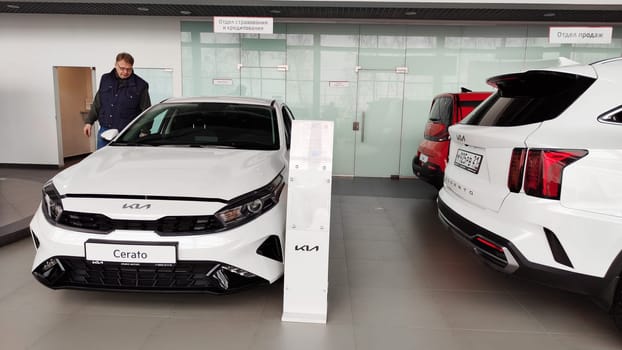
<point>276,12</point>
<point>143,9</point>
<point>184,12</point>
<point>13,6</point>
<point>410,13</point>
<point>549,14</point>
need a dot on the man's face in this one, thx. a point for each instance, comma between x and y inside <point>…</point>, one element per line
<point>124,69</point>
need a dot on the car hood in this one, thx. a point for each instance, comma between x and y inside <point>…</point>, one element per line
<point>171,171</point>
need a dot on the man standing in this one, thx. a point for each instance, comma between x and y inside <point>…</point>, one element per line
<point>122,95</point>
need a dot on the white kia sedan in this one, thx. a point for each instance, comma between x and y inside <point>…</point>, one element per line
<point>533,179</point>
<point>190,196</point>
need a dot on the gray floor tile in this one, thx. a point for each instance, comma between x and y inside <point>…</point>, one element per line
<point>382,274</point>
<point>20,330</point>
<point>290,335</point>
<point>98,332</point>
<point>375,250</point>
<point>566,313</point>
<point>393,307</point>
<point>494,340</point>
<point>188,334</point>
<point>379,337</point>
<point>609,341</point>
<point>492,311</point>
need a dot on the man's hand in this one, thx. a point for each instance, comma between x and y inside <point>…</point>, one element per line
<point>87,130</point>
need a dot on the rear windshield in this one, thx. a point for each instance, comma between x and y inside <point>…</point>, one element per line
<point>441,110</point>
<point>529,97</point>
<point>228,125</point>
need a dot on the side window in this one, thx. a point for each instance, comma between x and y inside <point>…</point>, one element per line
<point>441,110</point>
<point>287,120</point>
<point>157,122</point>
<point>613,116</point>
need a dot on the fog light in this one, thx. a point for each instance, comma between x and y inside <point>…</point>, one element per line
<point>238,271</point>
<point>49,264</point>
<point>51,269</point>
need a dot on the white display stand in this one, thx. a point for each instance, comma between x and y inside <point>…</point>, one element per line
<point>308,222</point>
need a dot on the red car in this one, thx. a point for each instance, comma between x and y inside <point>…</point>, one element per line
<point>447,109</point>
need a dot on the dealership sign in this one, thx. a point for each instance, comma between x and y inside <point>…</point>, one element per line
<point>580,35</point>
<point>244,25</point>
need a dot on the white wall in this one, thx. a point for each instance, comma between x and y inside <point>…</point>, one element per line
<point>32,45</point>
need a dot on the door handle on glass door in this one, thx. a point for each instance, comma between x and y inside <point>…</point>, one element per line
<point>362,127</point>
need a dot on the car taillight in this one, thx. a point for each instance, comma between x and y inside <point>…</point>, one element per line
<point>543,171</point>
<point>436,131</point>
<point>515,176</point>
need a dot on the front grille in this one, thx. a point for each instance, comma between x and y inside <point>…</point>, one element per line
<point>169,225</point>
<point>206,276</point>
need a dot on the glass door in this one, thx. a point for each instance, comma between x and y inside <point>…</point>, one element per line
<point>379,102</point>
<point>378,123</point>
<point>263,65</point>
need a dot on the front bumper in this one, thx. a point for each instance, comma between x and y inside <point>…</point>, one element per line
<point>218,263</point>
<point>502,255</point>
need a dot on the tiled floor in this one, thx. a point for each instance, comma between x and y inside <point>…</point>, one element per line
<point>397,280</point>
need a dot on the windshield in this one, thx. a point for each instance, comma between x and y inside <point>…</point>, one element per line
<point>204,125</point>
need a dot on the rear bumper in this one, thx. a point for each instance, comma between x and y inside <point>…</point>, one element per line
<point>502,255</point>
<point>428,172</point>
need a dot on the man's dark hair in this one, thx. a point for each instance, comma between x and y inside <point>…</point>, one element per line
<point>124,56</point>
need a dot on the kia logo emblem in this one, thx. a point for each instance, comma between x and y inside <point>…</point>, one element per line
<point>136,206</point>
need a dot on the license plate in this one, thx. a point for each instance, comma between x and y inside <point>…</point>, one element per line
<point>468,161</point>
<point>423,158</point>
<point>131,253</point>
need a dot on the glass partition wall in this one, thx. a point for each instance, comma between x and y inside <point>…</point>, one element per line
<point>376,82</point>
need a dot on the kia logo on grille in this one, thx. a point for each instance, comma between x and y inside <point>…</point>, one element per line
<point>136,206</point>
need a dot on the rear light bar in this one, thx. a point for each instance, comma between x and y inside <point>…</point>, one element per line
<point>515,176</point>
<point>543,170</point>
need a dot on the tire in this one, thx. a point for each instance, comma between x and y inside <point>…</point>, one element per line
<point>616,309</point>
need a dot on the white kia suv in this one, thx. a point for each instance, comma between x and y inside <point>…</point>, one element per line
<point>189,197</point>
<point>532,182</point>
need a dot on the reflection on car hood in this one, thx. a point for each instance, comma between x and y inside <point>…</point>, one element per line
<point>171,171</point>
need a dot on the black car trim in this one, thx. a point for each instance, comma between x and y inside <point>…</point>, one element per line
<point>142,197</point>
<point>602,289</point>
<point>183,277</point>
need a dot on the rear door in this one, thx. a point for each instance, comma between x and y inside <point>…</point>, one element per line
<point>479,160</point>
<point>482,144</point>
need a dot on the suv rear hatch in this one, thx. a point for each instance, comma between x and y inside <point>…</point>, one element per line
<point>480,154</point>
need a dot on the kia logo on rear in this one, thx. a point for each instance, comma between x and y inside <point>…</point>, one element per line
<point>461,138</point>
<point>136,206</point>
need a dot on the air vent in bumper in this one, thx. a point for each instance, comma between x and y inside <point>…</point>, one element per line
<point>203,276</point>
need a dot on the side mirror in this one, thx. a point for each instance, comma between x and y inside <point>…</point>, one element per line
<point>109,134</point>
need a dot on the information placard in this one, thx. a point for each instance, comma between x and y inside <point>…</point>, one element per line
<point>243,25</point>
<point>308,222</point>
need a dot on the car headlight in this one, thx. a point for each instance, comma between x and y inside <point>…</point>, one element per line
<point>51,204</point>
<point>249,206</point>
